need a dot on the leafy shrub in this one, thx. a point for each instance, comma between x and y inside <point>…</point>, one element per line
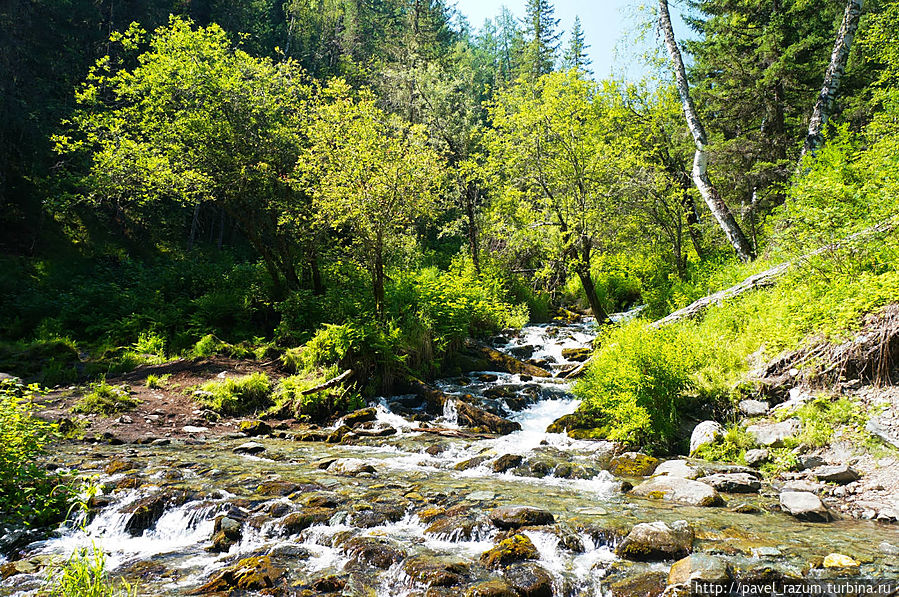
<point>85,575</point>
<point>822,416</point>
<point>730,447</point>
<point>29,495</point>
<point>233,397</point>
<point>318,406</point>
<point>635,387</point>
<point>106,399</point>
<point>157,382</point>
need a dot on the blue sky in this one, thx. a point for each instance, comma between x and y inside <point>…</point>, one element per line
<point>608,26</point>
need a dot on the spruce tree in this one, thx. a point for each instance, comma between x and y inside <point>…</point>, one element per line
<point>575,55</point>
<point>542,38</point>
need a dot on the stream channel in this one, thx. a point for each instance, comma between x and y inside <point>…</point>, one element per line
<point>408,514</point>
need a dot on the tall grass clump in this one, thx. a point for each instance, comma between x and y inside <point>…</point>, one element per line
<point>85,575</point>
<point>239,396</point>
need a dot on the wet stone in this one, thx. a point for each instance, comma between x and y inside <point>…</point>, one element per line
<point>374,551</point>
<point>436,571</point>
<point>249,448</point>
<point>506,462</point>
<point>529,579</point>
<point>733,482</point>
<point>657,541</point>
<point>804,506</point>
<point>682,491</point>
<point>633,464</point>
<point>250,574</point>
<point>471,463</point>
<point>363,415</point>
<point>455,528</point>
<point>699,568</point>
<point>299,521</point>
<point>514,517</point>
<point>146,511</point>
<point>350,467</point>
<point>516,548</point>
<point>277,488</point>
<point>254,428</point>
<point>491,588</point>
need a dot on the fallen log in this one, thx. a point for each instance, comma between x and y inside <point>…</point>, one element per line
<point>328,384</point>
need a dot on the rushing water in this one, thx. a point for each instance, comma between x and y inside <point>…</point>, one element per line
<point>417,474</point>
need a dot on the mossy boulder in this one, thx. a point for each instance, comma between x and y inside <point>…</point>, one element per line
<point>250,574</point>
<point>358,417</point>
<point>516,548</point>
<point>377,552</point>
<point>254,428</point>
<point>515,517</point>
<point>298,521</point>
<point>657,541</point>
<point>647,584</point>
<point>529,580</point>
<point>633,464</point>
<point>491,588</point>
<point>436,571</point>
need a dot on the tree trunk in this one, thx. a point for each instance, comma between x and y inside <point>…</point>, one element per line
<point>832,77</point>
<point>193,227</point>
<point>590,290</point>
<point>318,287</point>
<point>470,195</point>
<point>378,282</point>
<point>706,189</point>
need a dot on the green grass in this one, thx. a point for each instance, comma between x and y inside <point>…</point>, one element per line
<point>730,447</point>
<point>85,575</point>
<point>157,382</point>
<point>318,406</point>
<point>239,396</point>
<point>106,399</point>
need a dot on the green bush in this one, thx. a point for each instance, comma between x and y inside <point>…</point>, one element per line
<point>240,396</point>
<point>29,495</point>
<point>318,406</point>
<point>105,399</point>
<point>635,388</point>
<point>730,447</point>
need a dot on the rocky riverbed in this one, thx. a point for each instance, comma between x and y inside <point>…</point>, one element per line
<point>407,502</point>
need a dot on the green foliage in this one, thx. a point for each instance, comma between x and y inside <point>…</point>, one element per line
<point>85,575</point>
<point>238,396</point>
<point>823,416</point>
<point>29,495</point>
<point>634,390</point>
<point>106,399</point>
<point>157,382</point>
<point>730,447</point>
<point>318,406</point>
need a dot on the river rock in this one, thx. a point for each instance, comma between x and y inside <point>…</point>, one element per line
<point>481,420</point>
<point>491,588</point>
<point>578,355</point>
<point>378,552</point>
<point>753,408</point>
<point>357,417</point>
<point>249,448</point>
<point>704,434</point>
<point>436,571</point>
<point>809,461</point>
<point>529,579</point>
<point>733,482</point>
<point>328,585</point>
<point>350,467</point>
<point>506,462</point>
<point>699,567</point>
<point>657,541</point>
<point>305,518</point>
<point>677,468</point>
<point>254,428</point>
<point>756,457</point>
<point>633,464</point>
<point>840,474</point>
<point>516,548</point>
<point>144,512</point>
<point>514,517</point>
<point>840,561</point>
<point>682,491</point>
<point>647,584</point>
<point>804,506</point>
<point>226,532</point>
<point>455,528</point>
<point>250,574</point>
<point>773,435</point>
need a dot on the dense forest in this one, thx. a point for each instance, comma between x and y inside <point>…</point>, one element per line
<point>345,198</point>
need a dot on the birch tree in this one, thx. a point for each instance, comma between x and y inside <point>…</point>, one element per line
<point>701,179</point>
<point>832,76</point>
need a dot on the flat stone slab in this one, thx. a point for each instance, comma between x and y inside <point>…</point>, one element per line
<point>840,474</point>
<point>733,482</point>
<point>681,491</point>
<point>773,435</point>
<point>804,506</point>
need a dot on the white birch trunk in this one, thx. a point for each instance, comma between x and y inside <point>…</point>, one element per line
<point>838,59</point>
<point>704,185</point>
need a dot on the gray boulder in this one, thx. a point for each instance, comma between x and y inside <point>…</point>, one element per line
<point>756,457</point>
<point>733,482</point>
<point>773,435</point>
<point>705,433</point>
<point>513,517</point>
<point>677,468</point>
<point>249,448</point>
<point>804,506</point>
<point>350,467</point>
<point>657,541</point>
<point>840,474</point>
<point>753,408</point>
<point>681,491</point>
<point>699,567</point>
